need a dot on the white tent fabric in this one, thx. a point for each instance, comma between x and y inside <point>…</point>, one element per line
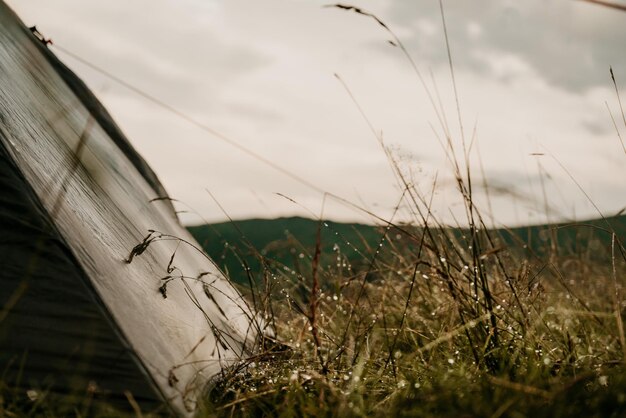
<point>75,200</point>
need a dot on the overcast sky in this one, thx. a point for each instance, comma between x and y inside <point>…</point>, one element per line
<point>532,76</point>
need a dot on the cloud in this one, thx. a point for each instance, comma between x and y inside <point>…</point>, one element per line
<point>568,43</point>
<point>532,75</point>
<point>163,47</point>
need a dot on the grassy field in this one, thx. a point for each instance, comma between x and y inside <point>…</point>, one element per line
<point>431,322</point>
<point>440,324</point>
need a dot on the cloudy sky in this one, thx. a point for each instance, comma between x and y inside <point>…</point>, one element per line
<point>532,78</point>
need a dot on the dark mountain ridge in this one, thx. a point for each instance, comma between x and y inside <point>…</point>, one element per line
<point>289,243</point>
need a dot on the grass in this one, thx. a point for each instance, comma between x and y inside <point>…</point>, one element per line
<point>418,334</point>
<point>412,333</point>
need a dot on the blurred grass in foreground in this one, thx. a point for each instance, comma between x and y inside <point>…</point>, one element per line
<point>441,324</point>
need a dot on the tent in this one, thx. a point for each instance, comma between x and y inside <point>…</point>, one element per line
<point>101,288</point>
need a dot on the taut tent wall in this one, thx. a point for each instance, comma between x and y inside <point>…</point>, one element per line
<point>75,199</point>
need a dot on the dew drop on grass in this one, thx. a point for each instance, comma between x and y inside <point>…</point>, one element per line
<point>33,395</point>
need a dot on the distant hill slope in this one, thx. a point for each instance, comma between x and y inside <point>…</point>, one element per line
<point>570,237</point>
<point>289,243</point>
